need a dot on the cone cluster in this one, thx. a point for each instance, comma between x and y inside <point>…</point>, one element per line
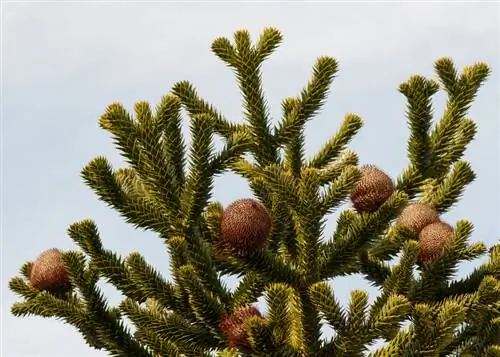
<point>244,227</point>
<point>433,235</point>
<point>49,272</point>
<point>375,187</point>
<point>233,326</point>
<point>372,189</point>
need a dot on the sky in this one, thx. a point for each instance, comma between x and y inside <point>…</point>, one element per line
<point>64,62</point>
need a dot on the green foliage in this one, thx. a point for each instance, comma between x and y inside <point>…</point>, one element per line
<point>182,316</point>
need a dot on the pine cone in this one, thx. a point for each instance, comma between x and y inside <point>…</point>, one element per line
<point>433,239</point>
<point>233,326</point>
<point>49,272</point>
<point>372,190</point>
<point>244,228</point>
<point>416,216</point>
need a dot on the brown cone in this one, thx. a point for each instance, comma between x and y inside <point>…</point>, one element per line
<point>245,226</point>
<point>433,239</point>
<point>372,190</point>
<point>49,272</point>
<point>233,326</point>
<point>416,216</point>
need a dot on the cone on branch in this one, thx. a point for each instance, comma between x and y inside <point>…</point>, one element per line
<point>372,190</point>
<point>416,216</point>
<point>233,326</point>
<point>433,239</point>
<point>49,273</point>
<point>244,228</point>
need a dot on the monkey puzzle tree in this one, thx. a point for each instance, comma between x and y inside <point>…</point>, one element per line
<point>274,240</point>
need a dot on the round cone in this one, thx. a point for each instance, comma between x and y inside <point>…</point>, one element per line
<point>433,239</point>
<point>372,190</point>
<point>49,272</point>
<point>233,326</point>
<point>416,216</point>
<point>244,227</point>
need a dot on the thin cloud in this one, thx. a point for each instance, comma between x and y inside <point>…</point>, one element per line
<point>137,41</point>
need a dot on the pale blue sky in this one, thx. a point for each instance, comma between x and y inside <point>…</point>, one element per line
<point>63,64</point>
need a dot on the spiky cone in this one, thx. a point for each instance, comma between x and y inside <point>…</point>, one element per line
<point>245,225</point>
<point>49,273</point>
<point>433,240</point>
<point>416,216</point>
<point>372,189</point>
<point>233,326</point>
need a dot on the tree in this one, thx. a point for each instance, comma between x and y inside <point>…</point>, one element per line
<point>273,241</point>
